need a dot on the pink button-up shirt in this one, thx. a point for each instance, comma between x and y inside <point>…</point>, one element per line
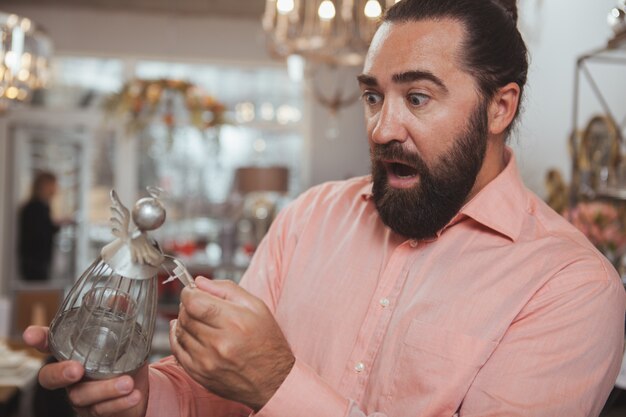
<point>509,311</point>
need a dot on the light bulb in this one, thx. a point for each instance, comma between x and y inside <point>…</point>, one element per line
<point>23,75</point>
<point>284,6</point>
<point>372,9</point>
<point>326,10</point>
<point>12,92</point>
<point>26,24</point>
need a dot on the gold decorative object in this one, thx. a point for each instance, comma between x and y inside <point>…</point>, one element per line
<point>557,192</point>
<point>336,32</point>
<point>143,100</point>
<point>599,156</point>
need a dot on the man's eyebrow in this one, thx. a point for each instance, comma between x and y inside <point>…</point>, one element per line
<point>367,80</point>
<point>403,78</point>
<point>417,75</point>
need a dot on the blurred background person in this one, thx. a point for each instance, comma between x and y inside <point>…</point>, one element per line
<point>37,229</point>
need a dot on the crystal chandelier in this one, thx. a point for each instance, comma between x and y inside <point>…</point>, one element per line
<point>333,32</point>
<point>328,34</point>
<point>25,52</point>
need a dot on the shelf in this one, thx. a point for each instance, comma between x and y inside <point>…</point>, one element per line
<point>618,194</point>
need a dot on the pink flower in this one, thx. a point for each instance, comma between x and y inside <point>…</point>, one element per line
<point>601,223</point>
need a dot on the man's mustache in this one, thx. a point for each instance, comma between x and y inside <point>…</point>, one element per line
<point>393,151</point>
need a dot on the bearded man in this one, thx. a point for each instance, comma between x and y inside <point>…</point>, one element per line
<point>438,286</point>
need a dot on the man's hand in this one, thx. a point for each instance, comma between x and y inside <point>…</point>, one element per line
<point>123,396</point>
<point>228,341</point>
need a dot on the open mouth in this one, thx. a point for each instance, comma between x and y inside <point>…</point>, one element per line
<point>401,170</point>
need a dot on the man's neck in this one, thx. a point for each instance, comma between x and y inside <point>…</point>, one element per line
<point>493,165</point>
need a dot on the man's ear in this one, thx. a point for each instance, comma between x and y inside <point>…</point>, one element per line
<point>503,107</point>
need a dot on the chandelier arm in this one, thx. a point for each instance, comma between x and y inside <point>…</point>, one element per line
<point>337,102</point>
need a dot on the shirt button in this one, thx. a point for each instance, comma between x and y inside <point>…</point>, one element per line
<point>359,367</point>
<point>384,302</point>
<point>413,243</point>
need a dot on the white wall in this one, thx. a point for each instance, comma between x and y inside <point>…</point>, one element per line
<point>564,30</point>
<point>131,34</point>
<point>346,154</point>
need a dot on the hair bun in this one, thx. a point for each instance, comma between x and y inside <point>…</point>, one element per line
<point>510,6</point>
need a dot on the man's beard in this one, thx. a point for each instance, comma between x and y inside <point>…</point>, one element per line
<point>424,209</point>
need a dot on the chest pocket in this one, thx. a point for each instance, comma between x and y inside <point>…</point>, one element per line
<point>435,368</point>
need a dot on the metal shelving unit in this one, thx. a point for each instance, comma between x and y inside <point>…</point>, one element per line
<point>613,54</point>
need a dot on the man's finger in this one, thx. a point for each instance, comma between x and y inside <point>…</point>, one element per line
<point>205,307</point>
<point>113,407</point>
<point>178,351</point>
<point>94,392</point>
<point>195,328</point>
<point>61,374</point>
<point>226,290</point>
<point>37,337</point>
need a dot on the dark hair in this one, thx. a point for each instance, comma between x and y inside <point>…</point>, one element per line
<point>495,53</point>
<point>42,178</point>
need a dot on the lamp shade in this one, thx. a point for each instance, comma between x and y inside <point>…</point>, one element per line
<point>254,179</point>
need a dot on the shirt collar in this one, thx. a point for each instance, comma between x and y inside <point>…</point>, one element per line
<point>499,203</point>
<point>496,206</point>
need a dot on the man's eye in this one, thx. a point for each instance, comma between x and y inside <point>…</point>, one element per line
<point>371,98</point>
<point>417,99</point>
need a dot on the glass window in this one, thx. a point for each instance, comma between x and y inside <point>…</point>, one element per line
<point>98,74</point>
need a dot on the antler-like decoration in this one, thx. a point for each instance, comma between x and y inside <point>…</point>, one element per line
<point>120,220</point>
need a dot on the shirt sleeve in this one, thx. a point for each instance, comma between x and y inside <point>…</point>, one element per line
<point>173,393</point>
<point>561,355</point>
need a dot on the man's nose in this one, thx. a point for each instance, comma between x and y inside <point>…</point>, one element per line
<point>390,125</point>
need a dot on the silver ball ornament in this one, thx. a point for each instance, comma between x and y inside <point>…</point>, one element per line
<point>148,214</point>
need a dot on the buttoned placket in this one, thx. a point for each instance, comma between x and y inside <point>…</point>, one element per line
<point>376,322</point>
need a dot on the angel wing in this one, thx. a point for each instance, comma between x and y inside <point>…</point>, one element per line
<point>120,219</point>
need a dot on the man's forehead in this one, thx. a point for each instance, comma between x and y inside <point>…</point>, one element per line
<point>424,45</point>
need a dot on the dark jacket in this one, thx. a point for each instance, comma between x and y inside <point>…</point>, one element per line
<point>35,240</point>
